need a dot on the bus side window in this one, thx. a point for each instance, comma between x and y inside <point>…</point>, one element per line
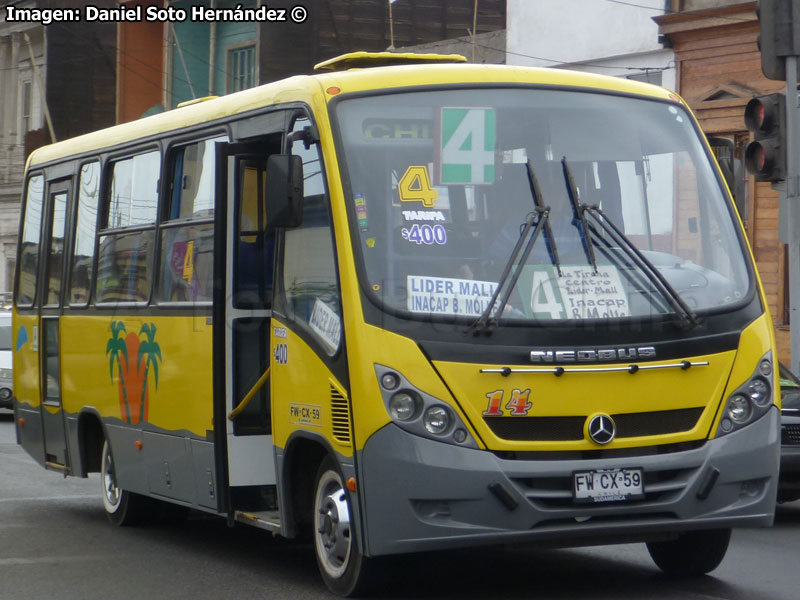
<point>124,263</point>
<point>29,252</point>
<point>85,227</point>
<point>309,267</point>
<point>255,244</point>
<point>187,233</point>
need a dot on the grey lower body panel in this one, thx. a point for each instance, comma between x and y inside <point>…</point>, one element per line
<point>424,495</point>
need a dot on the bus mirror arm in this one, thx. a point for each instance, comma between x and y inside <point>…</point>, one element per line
<point>308,135</point>
<point>284,191</point>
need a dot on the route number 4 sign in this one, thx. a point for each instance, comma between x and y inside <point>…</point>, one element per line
<point>467,152</point>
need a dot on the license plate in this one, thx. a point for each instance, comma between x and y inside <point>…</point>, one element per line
<point>608,485</point>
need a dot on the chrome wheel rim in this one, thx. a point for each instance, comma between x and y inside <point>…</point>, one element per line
<point>111,492</point>
<point>332,536</point>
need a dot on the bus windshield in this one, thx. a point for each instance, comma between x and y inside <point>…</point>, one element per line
<point>440,189</point>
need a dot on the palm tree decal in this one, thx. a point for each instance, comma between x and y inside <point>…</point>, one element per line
<point>133,358</point>
<point>150,351</point>
<point>118,351</point>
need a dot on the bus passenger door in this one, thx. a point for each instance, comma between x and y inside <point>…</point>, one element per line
<point>244,327</point>
<point>55,445</point>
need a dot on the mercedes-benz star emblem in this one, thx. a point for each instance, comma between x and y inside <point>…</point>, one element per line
<point>602,429</point>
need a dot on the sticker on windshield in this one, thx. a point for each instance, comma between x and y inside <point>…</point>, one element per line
<point>467,151</point>
<point>361,211</point>
<point>415,186</point>
<point>424,215</point>
<point>425,234</point>
<point>578,294</point>
<point>446,296</point>
<point>326,324</point>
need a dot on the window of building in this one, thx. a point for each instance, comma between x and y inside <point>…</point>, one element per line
<point>29,253</point>
<point>127,239</point>
<point>650,76</point>
<point>242,68</point>
<point>85,226</point>
<point>26,106</point>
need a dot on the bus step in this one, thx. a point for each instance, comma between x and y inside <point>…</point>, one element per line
<point>268,519</point>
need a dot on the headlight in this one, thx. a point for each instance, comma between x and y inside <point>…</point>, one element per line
<point>749,401</point>
<point>420,413</point>
<point>403,406</point>
<point>6,373</point>
<point>739,409</point>
<point>758,390</point>
<point>437,419</point>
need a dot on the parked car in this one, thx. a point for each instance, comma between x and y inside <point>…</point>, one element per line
<point>6,379</point>
<point>789,483</point>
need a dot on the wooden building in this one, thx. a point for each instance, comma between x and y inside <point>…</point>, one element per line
<point>719,71</point>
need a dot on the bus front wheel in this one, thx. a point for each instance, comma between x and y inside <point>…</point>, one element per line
<point>342,566</point>
<point>122,507</point>
<point>691,554</point>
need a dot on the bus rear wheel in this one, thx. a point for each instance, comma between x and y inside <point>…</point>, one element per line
<point>344,569</point>
<point>122,507</point>
<point>691,554</point>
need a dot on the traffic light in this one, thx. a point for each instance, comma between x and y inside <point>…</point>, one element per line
<point>765,156</point>
<point>779,22</point>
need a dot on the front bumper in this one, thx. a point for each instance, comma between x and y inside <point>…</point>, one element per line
<point>420,494</point>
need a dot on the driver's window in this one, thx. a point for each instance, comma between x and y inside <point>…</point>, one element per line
<point>309,265</point>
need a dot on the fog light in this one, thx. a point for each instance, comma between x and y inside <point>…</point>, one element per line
<point>403,406</point>
<point>765,368</point>
<point>739,409</point>
<point>437,419</point>
<point>390,381</point>
<point>759,391</point>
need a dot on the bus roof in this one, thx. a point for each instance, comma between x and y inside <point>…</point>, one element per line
<point>303,88</point>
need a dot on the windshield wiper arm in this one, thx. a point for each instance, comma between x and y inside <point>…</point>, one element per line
<point>535,220</point>
<point>550,239</point>
<point>688,317</point>
<point>580,214</point>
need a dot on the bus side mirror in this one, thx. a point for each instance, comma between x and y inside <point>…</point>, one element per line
<point>284,191</point>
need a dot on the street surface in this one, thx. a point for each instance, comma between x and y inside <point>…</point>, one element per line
<point>55,543</point>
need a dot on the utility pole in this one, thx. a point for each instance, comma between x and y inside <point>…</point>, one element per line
<point>779,43</point>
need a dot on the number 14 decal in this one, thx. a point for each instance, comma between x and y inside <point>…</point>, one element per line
<point>518,404</point>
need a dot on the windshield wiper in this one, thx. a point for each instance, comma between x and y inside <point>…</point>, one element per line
<point>538,220</point>
<point>686,315</point>
<point>535,220</point>
<point>549,239</point>
<point>580,214</point>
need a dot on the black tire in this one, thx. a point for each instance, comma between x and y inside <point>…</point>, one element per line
<point>694,553</point>
<point>122,507</point>
<point>344,569</point>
